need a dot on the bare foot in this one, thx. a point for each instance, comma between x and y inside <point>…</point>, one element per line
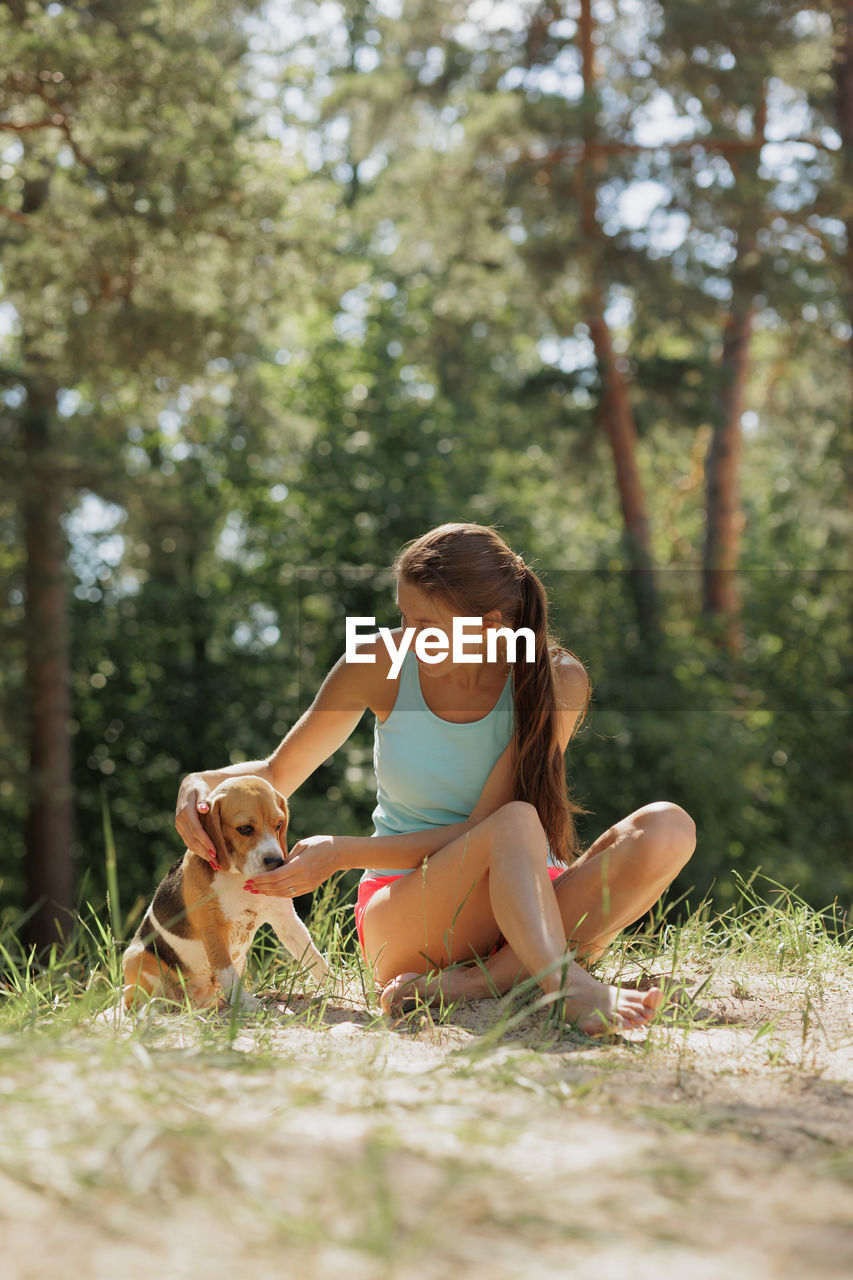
<point>402,993</point>
<point>596,1008</point>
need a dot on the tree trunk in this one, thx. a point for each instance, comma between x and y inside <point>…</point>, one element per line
<point>616,415</point>
<point>723,515</point>
<point>618,422</point>
<point>844,105</point>
<point>50,879</point>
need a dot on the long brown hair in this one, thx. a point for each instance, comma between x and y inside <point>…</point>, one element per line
<point>471,568</point>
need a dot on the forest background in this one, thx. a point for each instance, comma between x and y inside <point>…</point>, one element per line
<point>283,285</point>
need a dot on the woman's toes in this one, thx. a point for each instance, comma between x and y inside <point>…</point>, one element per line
<point>623,1010</point>
<point>394,996</point>
<point>649,1003</point>
<point>643,1006</point>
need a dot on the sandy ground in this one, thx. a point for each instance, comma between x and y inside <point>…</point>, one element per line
<point>337,1144</point>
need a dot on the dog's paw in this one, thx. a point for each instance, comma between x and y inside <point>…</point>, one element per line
<point>242,1000</point>
<point>323,981</point>
<point>242,1004</point>
<point>233,991</point>
<point>318,971</point>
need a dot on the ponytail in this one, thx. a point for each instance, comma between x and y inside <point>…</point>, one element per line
<point>539,770</point>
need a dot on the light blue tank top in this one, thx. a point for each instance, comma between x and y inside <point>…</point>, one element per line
<point>430,772</point>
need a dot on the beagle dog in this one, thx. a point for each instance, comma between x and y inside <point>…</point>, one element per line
<point>196,934</point>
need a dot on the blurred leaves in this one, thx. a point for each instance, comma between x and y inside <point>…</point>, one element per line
<point>309,289</point>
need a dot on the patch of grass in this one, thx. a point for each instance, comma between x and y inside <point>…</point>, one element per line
<point>362,1146</point>
<point>776,933</point>
<point>778,936</point>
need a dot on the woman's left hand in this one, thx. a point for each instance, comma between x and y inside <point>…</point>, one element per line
<point>309,863</point>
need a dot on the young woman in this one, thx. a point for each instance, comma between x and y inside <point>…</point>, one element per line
<point>472,878</point>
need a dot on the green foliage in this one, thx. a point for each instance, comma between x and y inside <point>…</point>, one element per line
<point>294,319</point>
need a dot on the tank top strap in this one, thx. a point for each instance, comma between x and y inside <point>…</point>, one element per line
<point>409,695</point>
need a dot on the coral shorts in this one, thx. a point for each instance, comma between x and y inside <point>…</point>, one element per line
<point>367,888</point>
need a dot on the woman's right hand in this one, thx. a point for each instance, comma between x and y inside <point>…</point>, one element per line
<point>192,800</point>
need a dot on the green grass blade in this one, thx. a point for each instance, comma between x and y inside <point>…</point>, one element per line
<point>111,868</point>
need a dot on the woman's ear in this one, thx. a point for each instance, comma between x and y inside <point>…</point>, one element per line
<point>212,823</point>
<point>285,813</point>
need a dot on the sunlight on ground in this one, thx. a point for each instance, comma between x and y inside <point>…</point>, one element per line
<point>328,1140</point>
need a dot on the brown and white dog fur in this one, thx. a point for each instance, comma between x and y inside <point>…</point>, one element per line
<point>196,934</point>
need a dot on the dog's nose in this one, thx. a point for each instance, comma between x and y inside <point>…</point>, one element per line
<point>273,861</point>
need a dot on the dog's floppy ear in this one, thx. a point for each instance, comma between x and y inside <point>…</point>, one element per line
<point>285,813</point>
<point>212,823</point>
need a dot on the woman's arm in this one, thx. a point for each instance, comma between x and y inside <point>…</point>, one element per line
<point>396,853</point>
<point>332,717</point>
<point>316,858</point>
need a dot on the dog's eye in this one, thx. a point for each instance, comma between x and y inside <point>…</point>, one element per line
<point>247,830</point>
<point>279,825</point>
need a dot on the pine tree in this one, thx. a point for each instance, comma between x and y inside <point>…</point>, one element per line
<point>137,212</point>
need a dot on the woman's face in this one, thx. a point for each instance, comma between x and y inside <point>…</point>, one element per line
<point>423,612</point>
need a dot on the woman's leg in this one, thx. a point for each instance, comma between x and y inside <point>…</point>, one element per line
<point>494,880</point>
<point>622,875</point>
<point>616,881</point>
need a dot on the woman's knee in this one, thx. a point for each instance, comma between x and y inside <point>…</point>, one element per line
<point>517,824</point>
<point>670,830</point>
